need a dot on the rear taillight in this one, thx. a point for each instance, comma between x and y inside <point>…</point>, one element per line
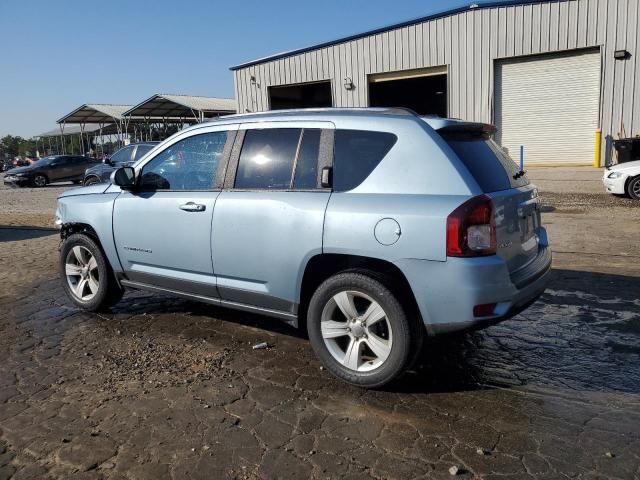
<point>471,229</point>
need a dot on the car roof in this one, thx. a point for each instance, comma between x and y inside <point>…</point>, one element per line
<point>333,113</point>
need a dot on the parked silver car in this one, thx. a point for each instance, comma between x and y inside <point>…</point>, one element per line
<point>375,227</point>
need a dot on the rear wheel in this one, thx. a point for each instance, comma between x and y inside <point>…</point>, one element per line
<point>39,181</point>
<point>359,330</point>
<point>633,188</point>
<point>90,181</point>
<point>86,275</point>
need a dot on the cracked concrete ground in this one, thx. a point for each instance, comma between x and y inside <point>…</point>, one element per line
<point>166,388</point>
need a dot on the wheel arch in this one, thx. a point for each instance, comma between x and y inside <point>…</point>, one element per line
<point>68,229</point>
<point>73,228</point>
<point>91,177</point>
<point>322,266</point>
<point>628,181</point>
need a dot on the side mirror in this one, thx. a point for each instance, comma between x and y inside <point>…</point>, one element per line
<point>107,161</point>
<point>125,178</point>
<point>326,178</point>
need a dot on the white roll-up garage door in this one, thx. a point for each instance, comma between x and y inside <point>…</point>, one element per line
<point>550,105</point>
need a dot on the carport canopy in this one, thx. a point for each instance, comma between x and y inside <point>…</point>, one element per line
<point>95,113</point>
<point>181,107</point>
<point>110,129</point>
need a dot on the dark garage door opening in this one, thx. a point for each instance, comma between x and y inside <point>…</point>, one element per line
<point>426,95</point>
<point>307,95</point>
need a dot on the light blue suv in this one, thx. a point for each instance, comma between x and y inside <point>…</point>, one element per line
<point>374,227</point>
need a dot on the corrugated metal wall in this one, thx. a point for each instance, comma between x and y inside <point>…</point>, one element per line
<point>468,43</point>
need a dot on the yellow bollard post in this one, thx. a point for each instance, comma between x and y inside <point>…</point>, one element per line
<point>598,148</point>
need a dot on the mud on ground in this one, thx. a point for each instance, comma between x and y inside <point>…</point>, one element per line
<point>166,388</point>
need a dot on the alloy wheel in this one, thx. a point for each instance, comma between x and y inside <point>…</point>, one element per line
<point>356,331</point>
<point>40,181</point>
<point>81,269</point>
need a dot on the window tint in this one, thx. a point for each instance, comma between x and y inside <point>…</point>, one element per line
<point>266,159</point>
<point>60,161</point>
<point>306,176</point>
<point>189,164</point>
<point>122,155</point>
<point>489,164</point>
<point>356,154</point>
<point>142,150</point>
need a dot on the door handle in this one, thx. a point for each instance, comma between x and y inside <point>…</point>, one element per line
<point>193,207</point>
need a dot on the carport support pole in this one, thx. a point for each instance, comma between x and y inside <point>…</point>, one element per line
<point>81,139</point>
<point>522,158</point>
<point>598,148</point>
<point>62,137</point>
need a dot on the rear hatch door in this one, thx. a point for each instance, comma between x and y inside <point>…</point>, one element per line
<point>516,202</point>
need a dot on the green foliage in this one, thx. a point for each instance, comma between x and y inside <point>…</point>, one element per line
<point>11,146</point>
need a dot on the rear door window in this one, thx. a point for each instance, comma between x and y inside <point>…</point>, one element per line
<point>306,170</point>
<point>267,159</point>
<point>356,154</point>
<point>490,165</point>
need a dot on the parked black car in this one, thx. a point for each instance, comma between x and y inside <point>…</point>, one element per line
<point>124,157</point>
<point>55,168</point>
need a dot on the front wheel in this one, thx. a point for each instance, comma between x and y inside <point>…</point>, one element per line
<point>39,181</point>
<point>86,276</point>
<point>633,188</point>
<point>90,181</point>
<point>359,330</point>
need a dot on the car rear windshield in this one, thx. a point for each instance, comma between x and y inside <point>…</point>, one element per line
<point>490,165</point>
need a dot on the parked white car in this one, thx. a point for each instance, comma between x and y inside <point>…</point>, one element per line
<point>623,179</point>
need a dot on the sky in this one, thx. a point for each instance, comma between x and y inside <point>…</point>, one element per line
<point>57,55</point>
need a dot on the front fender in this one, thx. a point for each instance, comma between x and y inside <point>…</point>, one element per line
<point>95,211</point>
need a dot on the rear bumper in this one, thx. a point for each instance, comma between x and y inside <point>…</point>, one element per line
<point>446,292</point>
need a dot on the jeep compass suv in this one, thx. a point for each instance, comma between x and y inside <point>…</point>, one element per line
<point>375,226</point>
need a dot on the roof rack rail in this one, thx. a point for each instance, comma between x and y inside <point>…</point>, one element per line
<point>324,110</point>
<point>401,111</point>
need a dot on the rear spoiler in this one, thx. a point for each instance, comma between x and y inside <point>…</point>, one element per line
<point>464,129</point>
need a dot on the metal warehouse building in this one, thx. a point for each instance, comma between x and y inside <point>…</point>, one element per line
<point>548,74</point>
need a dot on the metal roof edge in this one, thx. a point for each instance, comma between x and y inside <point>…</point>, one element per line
<point>406,23</point>
<point>63,118</point>
<point>91,105</point>
<point>127,113</point>
<point>194,96</point>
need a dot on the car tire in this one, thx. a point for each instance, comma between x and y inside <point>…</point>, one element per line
<point>39,181</point>
<point>90,181</point>
<point>87,277</point>
<point>633,188</point>
<point>369,354</point>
